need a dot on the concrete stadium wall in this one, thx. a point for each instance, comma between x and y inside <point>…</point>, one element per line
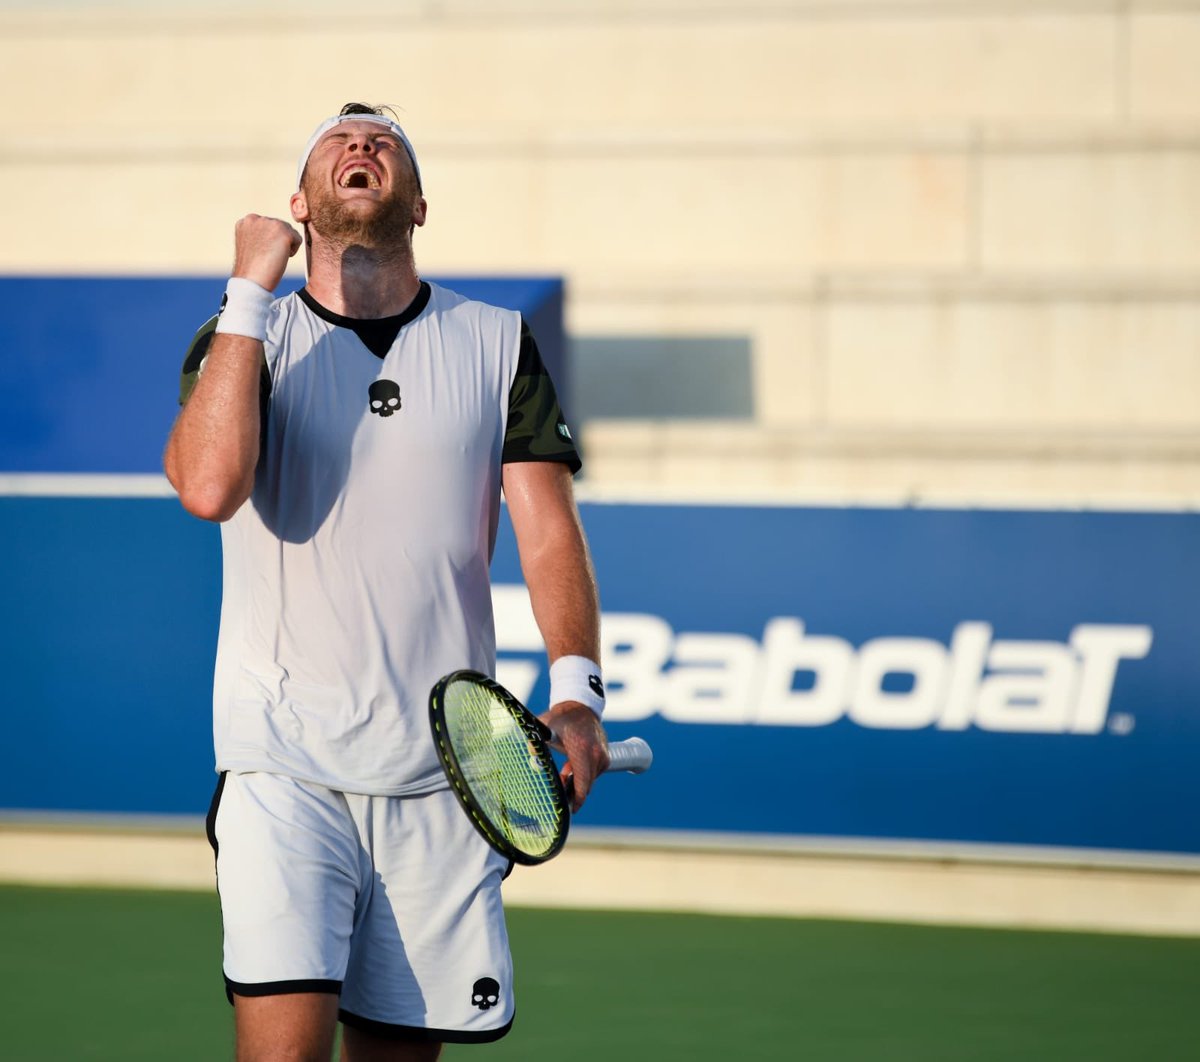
<point>961,236</point>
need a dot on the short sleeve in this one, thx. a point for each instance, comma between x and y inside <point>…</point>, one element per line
<point>193,366</point>
<point>537,430</point>
<point>193,363</point>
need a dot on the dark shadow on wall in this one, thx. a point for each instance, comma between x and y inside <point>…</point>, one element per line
<point>667,377</point>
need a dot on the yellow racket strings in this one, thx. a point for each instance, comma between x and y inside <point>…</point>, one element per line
<point>502,769</point>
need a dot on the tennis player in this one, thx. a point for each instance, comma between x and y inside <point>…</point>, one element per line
<point>353,440</point>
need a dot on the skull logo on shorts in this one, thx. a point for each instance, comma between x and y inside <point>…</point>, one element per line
<point>486,993</point>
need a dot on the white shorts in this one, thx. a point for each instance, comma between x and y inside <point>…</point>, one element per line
<point>391,902</point>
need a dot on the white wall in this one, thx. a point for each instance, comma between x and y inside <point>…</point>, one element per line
<point>963,236</point>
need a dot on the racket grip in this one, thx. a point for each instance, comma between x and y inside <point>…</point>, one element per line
<point>632,755</point>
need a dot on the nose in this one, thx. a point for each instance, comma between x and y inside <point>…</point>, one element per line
<point>360,143</point>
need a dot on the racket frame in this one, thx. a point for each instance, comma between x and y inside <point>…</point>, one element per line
<point>538,735</point>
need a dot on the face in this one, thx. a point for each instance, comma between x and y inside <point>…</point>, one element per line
<point>359,187</point>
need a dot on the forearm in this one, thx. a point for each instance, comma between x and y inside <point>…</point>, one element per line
<point>562,590</point>
<point>554,558</point>
<point>566,606</point>
<point>213,449</point>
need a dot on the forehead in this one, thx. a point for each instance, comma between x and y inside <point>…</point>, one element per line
<point>356,126</point>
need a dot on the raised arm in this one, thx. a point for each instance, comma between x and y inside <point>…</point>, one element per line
<point>562,589</point>
<point>213,448</point>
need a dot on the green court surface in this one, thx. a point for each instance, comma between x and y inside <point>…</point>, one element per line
<point>111,975</point>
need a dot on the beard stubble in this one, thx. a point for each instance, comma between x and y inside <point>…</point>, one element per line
<point>384,225</point>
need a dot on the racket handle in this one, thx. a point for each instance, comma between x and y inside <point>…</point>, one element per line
<point>632,755</point>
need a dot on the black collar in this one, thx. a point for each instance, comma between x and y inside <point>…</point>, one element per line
<point>378,333</point>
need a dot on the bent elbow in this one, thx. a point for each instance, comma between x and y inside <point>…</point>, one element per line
<point>215,511</point>
<point>211,487</point>
<point>213,502</point>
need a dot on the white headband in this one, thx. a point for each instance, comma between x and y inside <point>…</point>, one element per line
<point>378,119</point>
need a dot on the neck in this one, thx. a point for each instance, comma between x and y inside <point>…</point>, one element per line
<point>362,282</point>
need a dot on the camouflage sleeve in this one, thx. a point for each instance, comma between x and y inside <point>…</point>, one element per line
<point>536,428</point>
<point>193,366</point>
<point>194,362</point>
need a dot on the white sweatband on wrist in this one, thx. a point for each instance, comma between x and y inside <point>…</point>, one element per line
<point>244,309</point>
<point>576,678</point>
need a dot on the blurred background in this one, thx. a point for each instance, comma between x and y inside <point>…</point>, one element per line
<point>877,320</point>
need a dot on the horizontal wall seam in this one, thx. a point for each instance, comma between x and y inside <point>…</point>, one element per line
<point>17,149</point>
<point>67,22</point>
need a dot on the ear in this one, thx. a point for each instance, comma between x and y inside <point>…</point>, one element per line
<point>420,211</point>
<point>300,208</point>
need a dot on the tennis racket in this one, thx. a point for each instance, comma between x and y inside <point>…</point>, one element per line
<point>496,754</point>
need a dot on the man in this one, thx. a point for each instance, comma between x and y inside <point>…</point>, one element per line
<point>353,440</point>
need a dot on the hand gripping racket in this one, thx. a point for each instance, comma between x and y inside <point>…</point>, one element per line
<point>496,755</point>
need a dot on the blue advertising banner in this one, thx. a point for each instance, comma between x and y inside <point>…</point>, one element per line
<point>996,677</point>
<point>1025,678</point>
<point>89,380</point>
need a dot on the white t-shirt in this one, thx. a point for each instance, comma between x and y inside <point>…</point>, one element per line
<point>357,573</point>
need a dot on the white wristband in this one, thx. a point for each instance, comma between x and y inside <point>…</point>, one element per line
<point>244,309</point>
<point>576,678</point>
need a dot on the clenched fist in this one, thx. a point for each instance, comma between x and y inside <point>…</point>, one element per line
<point>262,247</point>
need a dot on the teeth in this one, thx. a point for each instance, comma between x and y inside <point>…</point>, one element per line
<point>355,171</point>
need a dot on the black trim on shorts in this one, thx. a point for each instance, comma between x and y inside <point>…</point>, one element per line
<point>281,988</point>
<point>417,1034</point>
<point>210,820</point>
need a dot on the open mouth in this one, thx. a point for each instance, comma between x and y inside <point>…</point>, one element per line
<point>359,177</point>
